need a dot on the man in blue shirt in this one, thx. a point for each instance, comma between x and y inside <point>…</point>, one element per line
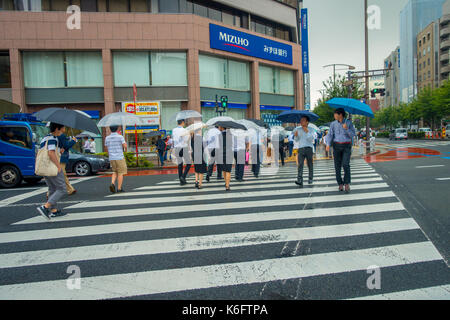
<point>305,138</point>
<point>340,137</point>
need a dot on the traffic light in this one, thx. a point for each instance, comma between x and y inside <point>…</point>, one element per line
<point>224,102</point>
<point>372,93</point>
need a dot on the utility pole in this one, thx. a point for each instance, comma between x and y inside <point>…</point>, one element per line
<point>366,33</point>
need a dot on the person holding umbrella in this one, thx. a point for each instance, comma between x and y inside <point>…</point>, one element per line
<point>115,146</point>
<point>227,155</point>
<point>180,141</point>
<point>213,143</point>
<point>198,155</point>
<point>340,137</point>
<point>305,138</point>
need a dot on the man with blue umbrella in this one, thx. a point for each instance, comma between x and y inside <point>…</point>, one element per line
<point>340,137</point>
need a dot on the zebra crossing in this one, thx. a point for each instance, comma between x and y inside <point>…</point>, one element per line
<point>417,144</point>
<point>265,239</point>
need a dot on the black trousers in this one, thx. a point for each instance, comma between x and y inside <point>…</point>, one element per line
<point>282,155</point>
<point>211,165</point>
<point>303,153</point>
<point>182,159</point>
<point>342,154</point>
<point>256,155</point>
<point>239,158</point>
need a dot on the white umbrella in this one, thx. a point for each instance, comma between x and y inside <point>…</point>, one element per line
<point>249,124</point>
<point>314,127</point>
<point>119,119</point>
<point>186,114</point>
<point>211,122</point>
<point>193,127</point>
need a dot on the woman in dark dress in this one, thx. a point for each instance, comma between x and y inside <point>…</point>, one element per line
<point>198,156</point>
<point>227,154</point>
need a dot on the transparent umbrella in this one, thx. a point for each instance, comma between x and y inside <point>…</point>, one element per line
<point>211,122</point>
<point>249,124</point>
<point>186,114</point>
<point>119,119</point>
<point>193,127</point>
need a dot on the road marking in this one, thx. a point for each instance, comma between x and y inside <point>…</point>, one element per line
<point>219,275</point>
<point>196,243</point>
<point>433,166</point>
<point>20,197</point>
<point>441,179</point>
<point>204,207</point>
<point>430,293</point>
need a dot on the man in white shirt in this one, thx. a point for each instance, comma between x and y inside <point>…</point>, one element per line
<point>87,145</point>
<point>213,143</point>
<point>181,147</point>
<point>92,146</point>
<point>115,147</point>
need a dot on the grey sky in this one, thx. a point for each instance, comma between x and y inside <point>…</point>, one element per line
<point>336,35</point>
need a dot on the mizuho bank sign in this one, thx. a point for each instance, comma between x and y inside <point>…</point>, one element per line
<point>230,40</point>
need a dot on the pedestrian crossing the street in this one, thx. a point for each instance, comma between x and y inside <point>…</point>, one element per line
<point>266,239</point>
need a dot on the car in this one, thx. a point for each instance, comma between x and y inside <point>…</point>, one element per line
<point>447,131</point>
<point>399,134</point>
<point>85,164</point>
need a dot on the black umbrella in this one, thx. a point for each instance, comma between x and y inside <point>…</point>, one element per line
<point>229,125</point>
<point>260,123</point>
<point>153,134</point>
<point>69,118</point>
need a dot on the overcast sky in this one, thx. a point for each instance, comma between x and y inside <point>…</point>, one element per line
<point>336,35</point>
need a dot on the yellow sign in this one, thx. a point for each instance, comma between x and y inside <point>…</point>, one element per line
<point>150,108</point>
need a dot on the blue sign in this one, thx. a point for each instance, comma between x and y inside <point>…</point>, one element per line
<point>230,40</point>
<point>304,32</point>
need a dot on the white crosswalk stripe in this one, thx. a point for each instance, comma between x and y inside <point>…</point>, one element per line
<point>417,144</point>
<point>166,238</point>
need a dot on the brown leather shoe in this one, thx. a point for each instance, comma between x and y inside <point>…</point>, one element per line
<point>341,187</point>
<point>347,188</point>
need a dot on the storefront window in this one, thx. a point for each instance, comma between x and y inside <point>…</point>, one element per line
<point>7,5</point>
<point>5,71</point>
<point>43,69</point>
<point>168,69</point>
<point>168,111</point>
<point>223,73</point>
<point>84,69</point>
<point>131,67</point>
<point>28,5</point>
<point>46,69</point>
<point>276,81</point>
<point>266,83</point>
<point>169,6</point>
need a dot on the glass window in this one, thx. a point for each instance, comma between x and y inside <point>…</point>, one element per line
<point>88,5</point>
<point>139,6</point>
<point>237,21</point>
<point>235,113</point>
<point>28,5</point>
<point>168,6</point>
<point>200,10</point>
<point>208,113</point>
<point>270,31</point>
<point>260,28</point>
<point>228,18</point>
<point>238,75</point>
<point>168,69</point>
<point>7,5</point>
<point>266,83</point>
<point>5,71</point>
<point>84,69</point>
<point>286,82</point>
<point>60,5</point>
<point>214,14</point>
<point>18,136</point>
<point>212,71</point>
<point>168,111</point>
<point>101,4</point>
<point>118,5</point>
<point>43,69</point>
<point>186,6</point>
<point>131,67</point>
<point>76,3</point>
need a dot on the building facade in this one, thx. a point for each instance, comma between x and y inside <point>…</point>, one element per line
<point>427,57</point>
<point>444,43</point>
<point>180,54</point>
<point>392,79</point>
<point>414,17</point>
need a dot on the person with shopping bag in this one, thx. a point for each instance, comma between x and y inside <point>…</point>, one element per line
<point>48,165</point>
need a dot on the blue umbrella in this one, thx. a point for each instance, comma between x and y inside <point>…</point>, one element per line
<point>294,116</point>
<point>352,106</point>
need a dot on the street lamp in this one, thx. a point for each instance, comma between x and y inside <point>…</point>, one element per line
<point>350,67</point>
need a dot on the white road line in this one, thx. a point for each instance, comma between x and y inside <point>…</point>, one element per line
<point>430,293</point>
<point>196,243</point>
<point>203,207</point>
<point>23,196</point>
<point>162,281</point>
<point>442,179</point>
<point>179,198</point>
<point>206,187</point>
<point>433,166</point>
